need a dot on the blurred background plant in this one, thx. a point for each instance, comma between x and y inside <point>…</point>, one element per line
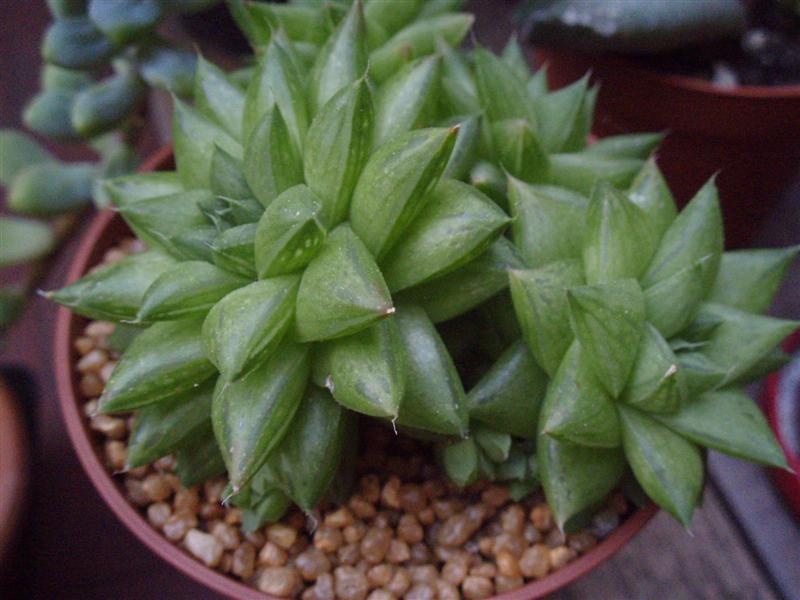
<point>100,58</point>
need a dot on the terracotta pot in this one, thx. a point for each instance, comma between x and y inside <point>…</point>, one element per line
<point>106,229</point>
<point>750,135</point>
<point>13,468</point>
<point>782,403</point>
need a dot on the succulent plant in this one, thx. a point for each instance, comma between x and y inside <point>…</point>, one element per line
<point>333,243</point>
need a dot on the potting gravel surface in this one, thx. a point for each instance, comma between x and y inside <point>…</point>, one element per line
<point>405,532</point>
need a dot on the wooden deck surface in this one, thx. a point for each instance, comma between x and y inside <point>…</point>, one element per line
<point>744,545</point>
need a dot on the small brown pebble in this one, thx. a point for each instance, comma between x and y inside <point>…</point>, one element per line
<point>411,498</point>
<point>420,554</point>
<point>227,535</point>
<point>427,516</point>
<point>380,595</point>
<point>107,370</point>
<point>477,588</point>
<point>348,554</point>
<point>433,488</point>
<point>409,529</point>
<point>506,584</point>
<point>541,517</point>
<point>204,547</point>
<point>158,513</point>
<point>139,472</point>
<point>581,542</point>
<point>485,569</point>
<point>446,591</point>
<point>312,563</point>
<point>92,362</point>
<point>459,528</point>
<point>212,490</point>
<point>383,519</point>
<point>421,591</point>
<point>233,516</point>
<point>226,563</point>
<point>328,539</point>
<point>531,534</point>
<point>178,525</point>
<point>398,552</point>
<point>99,329</point>
<point>513,519</point>
<point>83,345</point>
<point>454,572</point>
<point>300,544</point>
<point>555,537</point>
<point>370,487</point>
<point>507,564</point>
<point>560,556</point>
<point>157,487</point>
<point>495,496</point>
<point>109,426</point>
<point>322,590</point>
<point>116,454</point>
<point>91,385</point>
<point>339,519</point>
<point>211,511</point>
<point>186,499</point>
<point>244,560</point>
<point>136,493</point>
<point>350,583</point>
<point>278,581</point>
<point>423,574</point>
<point>535,561</point>
<point>282,535</point>
<point>355,532</point>
<point>257,538</point>
<point>90,408</point>
<point>380,575</point>
<point>604,522</point>
<point>446,508</point>
<point>272,555</point>
<point>390,494</point>
<point>486,546</point>
<point>509,542</point>
<point>400,582</point>
<point>361,508</point>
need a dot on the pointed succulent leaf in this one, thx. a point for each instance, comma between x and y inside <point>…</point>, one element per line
<point>518,149</point>
<point>699,373</point>
<point>288,91</point>
<point>188,289</point>
<point>418,39</point>
<point>394,185</point>
<point>396,17</point>
<point>537,83</point>
<point>540,301</point>
<point>490,180</point>
<point>694,234</point>
<point>75,43</point>
<point>131,188</point>
<point>404,99</point>
<point>307,459</point>
<point>668,467</point>
<point>301,23</point>
<point>508,397</point>
<point>156,220</point>
<point>608,321</point>
<point>271,506</point>
<point>580,411</point>
<point>125,20</point>
<point>49,113</point>
<point>165,360</point>
<point>259,98</point>
<point>774,361</point>
<point>161,428</point>
<point>459,92</point>
<point>742,339</point>
<point>19,150</point>
<point>289,233</point>
<point>502,93</point>
<point>493,444</point>
<point>195,138</point>
<point>342,290</point>
<point>618,242</point>
<point>730,422</point>
<point>434,398</point>
<point>251,415</point>
<point>23,240</point>
<point>557,113</point>
<point>650,192</point>
<point>457,225</point>
<point>513,56</point>
<point>114,292</point>
<point>232,250</point>
<point>227,176</point>
<point>199,459</point>
<point>167,68</point>
<point>271,163</point>
<point>461,463</point>
<point>672,303</point>
<point>465,150</point>
<point>575,477</point>
<point>749,279</point>
<point>52,188</point>
<point>548,223</point>
<point>629,145</point>
<point>337,147</point>
<point>217,98</point>
<point>580,171</point>
<point>365,371</point>
<point>246,326</point>
<point>657,381</point>
<point>434,8</point>
<point>469,286</point>
<point>342,60</point>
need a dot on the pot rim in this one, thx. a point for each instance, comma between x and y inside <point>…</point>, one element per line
<point>174,555</point>
<point>694,84</point>
<point>14,461</point>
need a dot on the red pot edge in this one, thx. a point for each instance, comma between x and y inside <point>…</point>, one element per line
<point>693,84</point>
<point>183,562</point>
<point>788,483</point>
<point>14,468</point>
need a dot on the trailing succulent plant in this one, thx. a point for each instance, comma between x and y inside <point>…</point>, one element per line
<point>377,218</point>
<point>86,40</point>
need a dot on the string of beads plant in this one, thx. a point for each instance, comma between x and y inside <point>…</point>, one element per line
<point>378,221</point>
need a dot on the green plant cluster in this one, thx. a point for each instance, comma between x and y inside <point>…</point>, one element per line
<point>372,210</point>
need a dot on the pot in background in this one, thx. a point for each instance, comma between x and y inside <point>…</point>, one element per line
<point>750,135</point>
<point>13,469</point>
